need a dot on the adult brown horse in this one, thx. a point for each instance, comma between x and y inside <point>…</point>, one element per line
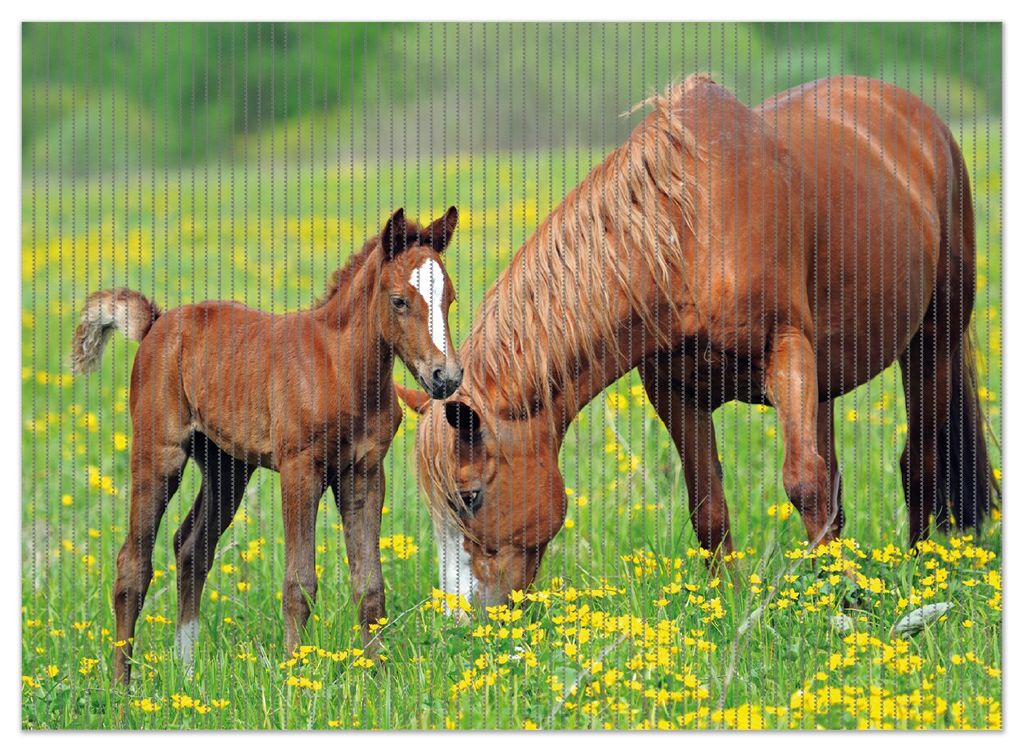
<point>308,394</point>
<point>782,255</point>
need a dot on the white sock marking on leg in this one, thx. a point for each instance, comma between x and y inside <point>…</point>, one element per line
<point>185,640</point>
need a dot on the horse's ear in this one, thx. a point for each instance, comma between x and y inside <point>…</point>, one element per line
<point>414,398</point>
<point>462,418</point>
<point>396,235</point>
<point>439,233</point>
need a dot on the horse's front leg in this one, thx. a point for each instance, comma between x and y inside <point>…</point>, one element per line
<point>359,495</point>
<point>791,384</point>
<point>693,432</point>
<point>827,449</point>
<point>301,487</point>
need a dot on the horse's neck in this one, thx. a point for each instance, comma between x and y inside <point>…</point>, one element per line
<point>594,364</point>
<point>628,350</point>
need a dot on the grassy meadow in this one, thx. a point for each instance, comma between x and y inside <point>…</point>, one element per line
<point>625,627</point>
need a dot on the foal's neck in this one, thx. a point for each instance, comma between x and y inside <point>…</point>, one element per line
<point>350,316</point>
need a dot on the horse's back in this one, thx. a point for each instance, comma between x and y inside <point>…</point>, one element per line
<point>747,216</point>
<point>880,170</point>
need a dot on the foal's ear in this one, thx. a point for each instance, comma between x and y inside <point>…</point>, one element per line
<point>439,233</point>
<point>462,418</point>
<point>396,235</point>
<point>416,400</point>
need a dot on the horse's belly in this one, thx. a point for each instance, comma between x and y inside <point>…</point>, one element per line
<point>868,320</point>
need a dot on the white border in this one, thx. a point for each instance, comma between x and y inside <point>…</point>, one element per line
<point>781,10</point>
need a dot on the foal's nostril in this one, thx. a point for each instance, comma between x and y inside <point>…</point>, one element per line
<point>437,375</point>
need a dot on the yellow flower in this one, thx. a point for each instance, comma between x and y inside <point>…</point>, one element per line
<point>616,402</point>
<point>402,546</point>
<point>120,441</point>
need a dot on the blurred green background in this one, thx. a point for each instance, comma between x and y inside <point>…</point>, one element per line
<point>98,96</point>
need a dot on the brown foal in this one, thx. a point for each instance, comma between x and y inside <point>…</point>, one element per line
<point>308,394</point>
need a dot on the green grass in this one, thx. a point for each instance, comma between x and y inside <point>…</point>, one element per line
<point>660,648</point>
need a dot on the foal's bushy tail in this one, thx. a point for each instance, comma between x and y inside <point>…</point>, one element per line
<point>125,310</point>
<point>966,484</point>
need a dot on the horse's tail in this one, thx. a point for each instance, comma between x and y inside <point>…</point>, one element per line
<point>967,483</point>
<point>125,310</point>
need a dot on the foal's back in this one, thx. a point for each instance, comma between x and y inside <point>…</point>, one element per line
<point>233,373</point>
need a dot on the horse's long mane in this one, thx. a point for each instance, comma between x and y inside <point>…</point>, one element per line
<point>552,307</point>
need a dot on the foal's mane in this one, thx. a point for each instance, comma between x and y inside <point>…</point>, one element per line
<point>342,278</point>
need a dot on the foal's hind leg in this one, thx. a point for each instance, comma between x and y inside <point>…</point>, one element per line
<point>694,435</point>
<point>791,384</point>
<point>156,467</point>
<point>360,499</point>
<point>827,449</point>
<point>302,485</point>
<point>224,481</point>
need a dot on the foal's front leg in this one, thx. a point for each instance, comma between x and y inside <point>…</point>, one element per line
<point>360,499</point>
<point>301,487</point>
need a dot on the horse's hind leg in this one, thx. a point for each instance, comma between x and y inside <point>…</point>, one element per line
<point>827,449</point>
<point>791,384</point>
<point>927,370</point>
<point>224,481</point>
<point>156,465</point>
<point>694,435</point>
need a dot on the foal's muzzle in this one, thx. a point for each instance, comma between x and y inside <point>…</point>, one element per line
<point>443,381</point>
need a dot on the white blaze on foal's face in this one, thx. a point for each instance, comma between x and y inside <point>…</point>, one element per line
<point>428,280</point>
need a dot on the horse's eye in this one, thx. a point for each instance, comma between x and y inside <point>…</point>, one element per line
<point>467,502</point>
<point>399,302</point>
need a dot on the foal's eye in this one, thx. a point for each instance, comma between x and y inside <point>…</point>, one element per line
<point>399,303</point>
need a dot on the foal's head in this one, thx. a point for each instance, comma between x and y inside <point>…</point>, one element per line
<point>414,297</point>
